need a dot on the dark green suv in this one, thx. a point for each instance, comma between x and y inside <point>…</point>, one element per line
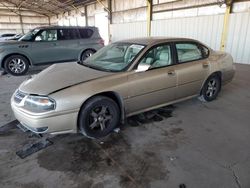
<point>48,45</point>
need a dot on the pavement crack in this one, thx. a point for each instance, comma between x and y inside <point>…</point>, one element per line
<point>236,178</point>
<point>227,167</point>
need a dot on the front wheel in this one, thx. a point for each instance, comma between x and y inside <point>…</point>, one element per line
<point>16,65</point>
<point>211,88</point>
<point>86,54</point>
<point>98,117</point>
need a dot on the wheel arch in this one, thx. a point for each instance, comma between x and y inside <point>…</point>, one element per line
<point>114,96</point>
<point>7,56</point>
<point>216,73</point>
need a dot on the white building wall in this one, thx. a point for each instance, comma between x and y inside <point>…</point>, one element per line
<point>10,22</point>
<point>128,30</point>
<point>238,43</point>
<point>207,29</point>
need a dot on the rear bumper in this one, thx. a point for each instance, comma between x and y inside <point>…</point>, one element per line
<point>54,124</point>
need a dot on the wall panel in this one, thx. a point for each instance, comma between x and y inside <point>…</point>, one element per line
<point>207,29</point>
<point>128,30</point>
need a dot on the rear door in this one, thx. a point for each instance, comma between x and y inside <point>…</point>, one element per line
<point>68,40</point>
<point>155,86</point>
<point>192,68</point>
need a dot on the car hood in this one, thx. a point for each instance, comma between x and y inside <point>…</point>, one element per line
<point>60,76</point>
<point>11,42</point>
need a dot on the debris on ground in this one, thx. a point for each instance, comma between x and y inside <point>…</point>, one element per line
<point>33,148</point>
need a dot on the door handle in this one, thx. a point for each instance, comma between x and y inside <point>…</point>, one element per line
<point>205,65</point>
<point>171,73</point>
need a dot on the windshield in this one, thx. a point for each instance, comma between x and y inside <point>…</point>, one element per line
<point>30,35</point>
<point>114,57</point>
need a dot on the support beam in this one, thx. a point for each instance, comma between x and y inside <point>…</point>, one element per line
<point>110,20</point>
<point>226,25</point>
<point>101,3</point>
<point>149,16</point>
<point>49,20</point>
<point>21,22</point>
<point>86,15</point>
<point>110,11</point>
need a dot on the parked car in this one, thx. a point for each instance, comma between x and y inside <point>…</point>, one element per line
<point>122,79</point>
<point>48,45</point>
<point>6,36</point>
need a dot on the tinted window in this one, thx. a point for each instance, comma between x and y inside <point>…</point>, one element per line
<point>188,52</point>
<point>157,57</point>
<point>47,35</point>
<point>85,33</point>
<point>68,34</point>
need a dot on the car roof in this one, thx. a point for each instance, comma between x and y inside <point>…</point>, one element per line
<point>153,40</point>
<point>66,27</point>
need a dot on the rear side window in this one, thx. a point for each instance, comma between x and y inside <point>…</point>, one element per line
<point>188,52</point>
<point>68,34</point>
<point>86,33</point>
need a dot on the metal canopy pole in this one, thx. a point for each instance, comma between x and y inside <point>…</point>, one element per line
<point>226,25</point>
<point>149,17</point>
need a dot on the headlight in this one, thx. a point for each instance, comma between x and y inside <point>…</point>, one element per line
<point>38,104</point>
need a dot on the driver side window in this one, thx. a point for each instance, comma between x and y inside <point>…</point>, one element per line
<point>158,57</point>
<point>47,35</point>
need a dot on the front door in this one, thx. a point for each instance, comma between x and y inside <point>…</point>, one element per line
<point>45,48</point>
<point>155,86</point>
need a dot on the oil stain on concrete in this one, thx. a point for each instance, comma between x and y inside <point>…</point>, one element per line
<point>118,156</point>
<point>114,155</point>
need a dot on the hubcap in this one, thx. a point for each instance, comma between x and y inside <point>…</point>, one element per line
<point>17,65</point>
<point>212,88</point>
<point>100,118</point>
<point>86,55</point>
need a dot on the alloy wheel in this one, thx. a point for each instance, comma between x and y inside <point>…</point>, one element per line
<point>211,88</point>
<point>99,118</point>
<point>17,65</point>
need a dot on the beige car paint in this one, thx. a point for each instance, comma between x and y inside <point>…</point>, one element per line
<point>71,85</point>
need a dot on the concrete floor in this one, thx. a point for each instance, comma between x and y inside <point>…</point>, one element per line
<point>203,145</point>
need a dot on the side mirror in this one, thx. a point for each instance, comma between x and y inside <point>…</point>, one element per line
<point>142,68</point>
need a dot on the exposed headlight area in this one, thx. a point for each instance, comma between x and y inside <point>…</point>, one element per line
<point>34,103</point>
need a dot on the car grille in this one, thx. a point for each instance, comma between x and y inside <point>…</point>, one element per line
<point>18,97</point>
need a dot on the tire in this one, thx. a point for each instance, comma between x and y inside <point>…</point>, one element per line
<point>86,54</point>
<point>16,65</point>
<point>98,117</point>
<point>211,88</point>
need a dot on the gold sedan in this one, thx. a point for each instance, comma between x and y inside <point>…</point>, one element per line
<point>122,79</point>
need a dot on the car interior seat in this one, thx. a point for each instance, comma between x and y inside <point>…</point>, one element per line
<point>162,58</point>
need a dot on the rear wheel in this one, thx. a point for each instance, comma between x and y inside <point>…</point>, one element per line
<point>211,88</point>
<point>98,117</point>
<point>86,54</point>
<point>16,65</point>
